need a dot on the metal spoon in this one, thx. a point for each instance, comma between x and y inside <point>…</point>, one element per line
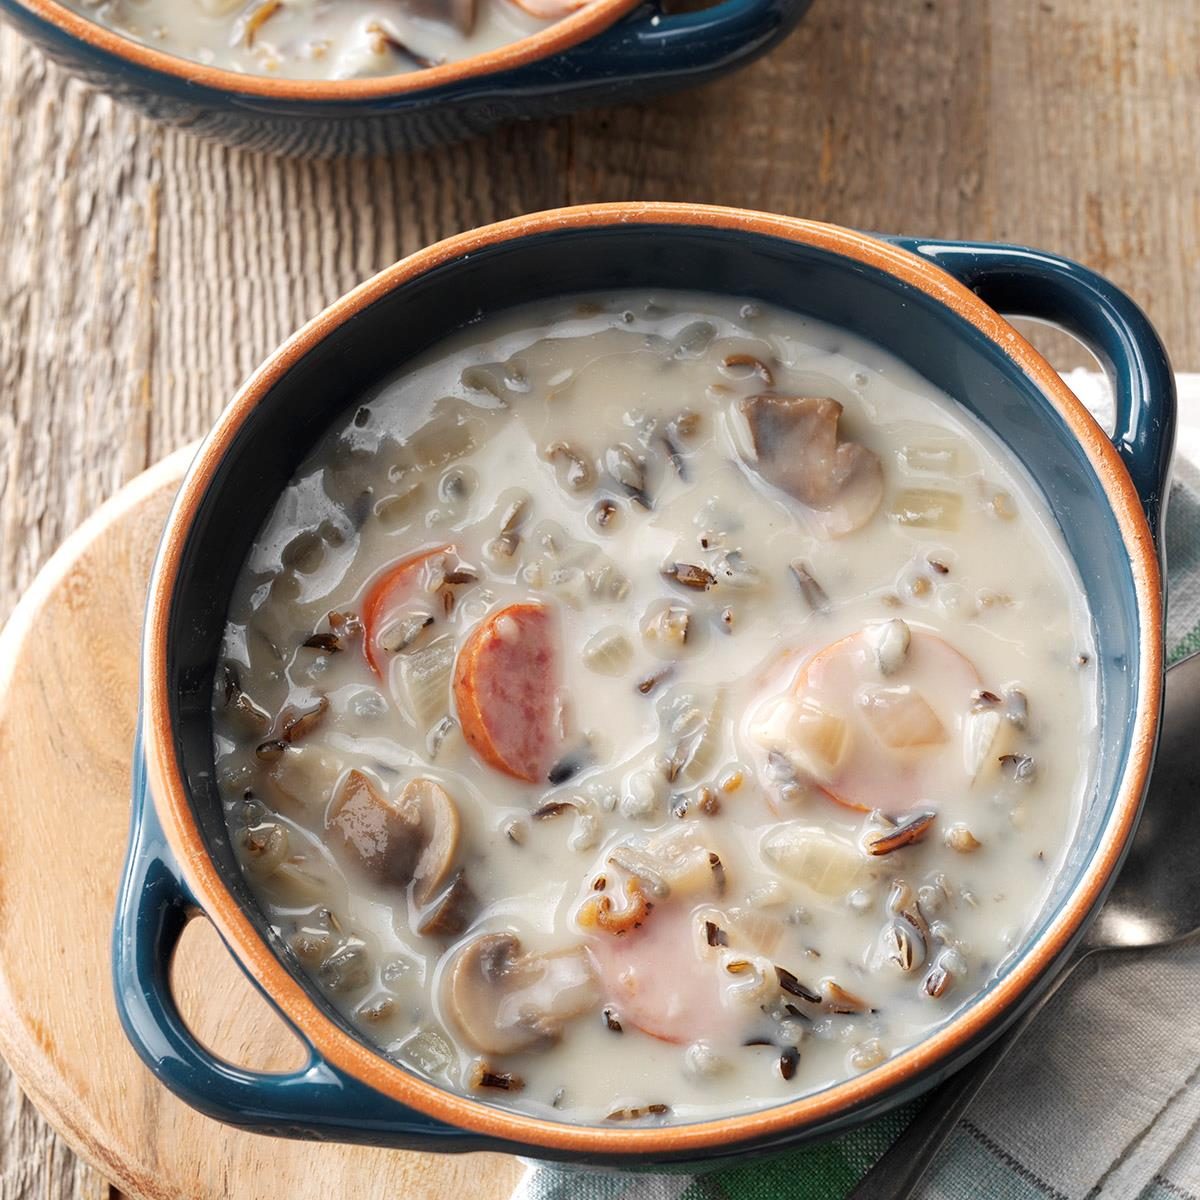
<point>1155,901</point>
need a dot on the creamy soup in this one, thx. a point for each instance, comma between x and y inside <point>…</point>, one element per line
<point>651,707</point>
<point>326,39</point>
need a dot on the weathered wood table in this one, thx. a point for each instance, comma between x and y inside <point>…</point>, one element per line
<point>142,273</point>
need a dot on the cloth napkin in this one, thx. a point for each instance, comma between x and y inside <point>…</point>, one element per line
<point>1099,1100</point>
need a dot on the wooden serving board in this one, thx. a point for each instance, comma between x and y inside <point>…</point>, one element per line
<point>68,701</point>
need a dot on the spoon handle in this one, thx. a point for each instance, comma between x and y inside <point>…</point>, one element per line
<point>903,1165</point>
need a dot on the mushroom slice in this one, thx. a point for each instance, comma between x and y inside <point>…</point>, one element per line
<point>440,824</point>
<point>503,1001</point>
<point>410,839</point>
<point>798,449</point>
<point>452,912</point>
<point>384,836</point>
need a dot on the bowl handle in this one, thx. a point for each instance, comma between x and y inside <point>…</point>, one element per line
<point>653,46</point>
<point>1030,283</point>
<point>315,1101</point>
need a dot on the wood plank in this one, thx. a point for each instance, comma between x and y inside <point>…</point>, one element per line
<point>1067,125</point>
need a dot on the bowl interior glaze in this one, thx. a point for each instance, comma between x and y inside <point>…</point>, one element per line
<point>352,356</point>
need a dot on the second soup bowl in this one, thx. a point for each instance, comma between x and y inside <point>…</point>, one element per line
<point>609,52</point>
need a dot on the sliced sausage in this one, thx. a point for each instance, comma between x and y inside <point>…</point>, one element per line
<point>505,680</point>
<point>386,599</point>
<point>870,738</point>
<point>655,979</point>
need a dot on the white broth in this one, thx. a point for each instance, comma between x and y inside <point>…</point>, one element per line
<point>646,708</point>
<point>325,39</point>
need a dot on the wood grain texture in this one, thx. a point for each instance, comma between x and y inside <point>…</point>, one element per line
<point>143,274</point>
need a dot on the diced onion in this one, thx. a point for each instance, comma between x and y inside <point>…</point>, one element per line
<point>608,652</point>
<point>758,929</point>
<point>425,681</point>
<point>812,739</point>
<point>927,508</point>
<point>901,717</point>
<point>986,736</point>
<point>827,865</point>
<point>932,457</point>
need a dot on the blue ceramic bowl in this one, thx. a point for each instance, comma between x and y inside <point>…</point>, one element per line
<point>612,52</point>
<point>927,302</point>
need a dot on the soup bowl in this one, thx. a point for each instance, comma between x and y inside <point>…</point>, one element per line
<point>611,52</point>
<point>932,304</point>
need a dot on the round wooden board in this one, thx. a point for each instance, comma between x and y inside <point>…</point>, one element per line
<point>68,701</point>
